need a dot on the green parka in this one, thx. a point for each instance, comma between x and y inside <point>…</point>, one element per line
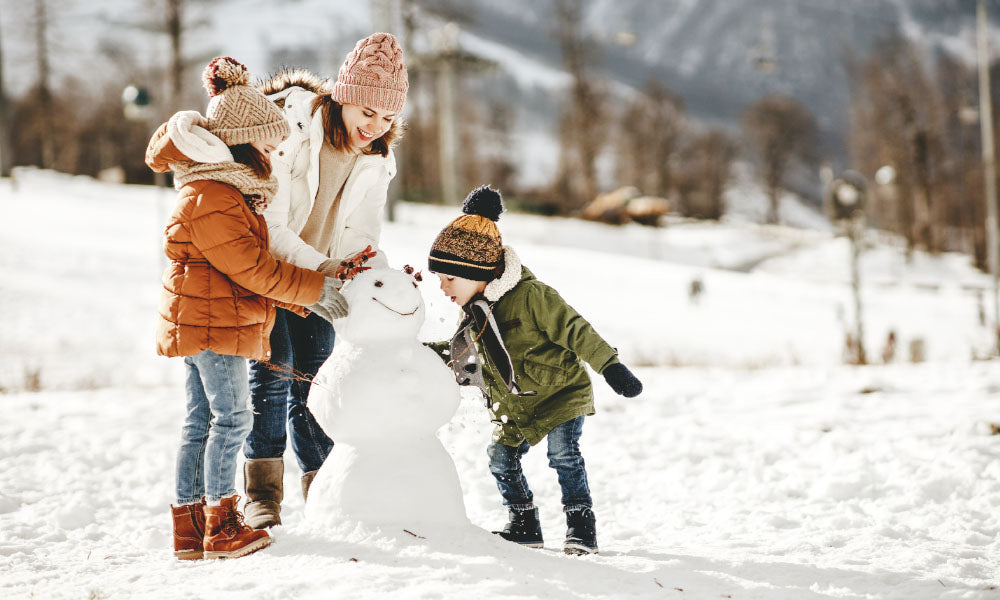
<point>546,340</point>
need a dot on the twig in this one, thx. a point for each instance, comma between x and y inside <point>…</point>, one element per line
<point>294,374</point>
<point>414,535</point>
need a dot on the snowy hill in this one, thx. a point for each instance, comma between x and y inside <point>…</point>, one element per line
<point>773,296</point>
<point>754,465</point>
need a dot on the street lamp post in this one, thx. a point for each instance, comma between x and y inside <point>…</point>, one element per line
<point>846,199</point>
<point>137,106</point>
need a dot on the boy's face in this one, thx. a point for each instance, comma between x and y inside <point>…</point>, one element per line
<point>460,290</point>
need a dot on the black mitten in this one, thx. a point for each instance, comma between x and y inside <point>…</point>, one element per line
<point>622,381</point>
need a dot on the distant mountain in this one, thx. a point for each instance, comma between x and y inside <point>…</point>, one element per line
<point>722,55</point>
<point>718,55</point>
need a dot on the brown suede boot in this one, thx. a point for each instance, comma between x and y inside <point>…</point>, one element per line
<point>263,479</point>
<point>189,530</point>
<point>226,535</point>
<point>307,480</point>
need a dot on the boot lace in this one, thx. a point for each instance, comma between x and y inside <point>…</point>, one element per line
<point>233,520</point>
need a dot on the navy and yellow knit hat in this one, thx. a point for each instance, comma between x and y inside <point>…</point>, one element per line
<point>470,247</point>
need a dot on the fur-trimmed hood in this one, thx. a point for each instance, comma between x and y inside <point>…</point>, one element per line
<point>286,79</point>
<point>506,282</point>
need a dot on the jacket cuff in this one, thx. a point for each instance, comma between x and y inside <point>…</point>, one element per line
<point>609,356</point>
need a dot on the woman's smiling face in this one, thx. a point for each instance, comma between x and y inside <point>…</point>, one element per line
<point>365,125</point>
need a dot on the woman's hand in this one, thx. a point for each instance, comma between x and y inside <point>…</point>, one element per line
<point>349,267</point>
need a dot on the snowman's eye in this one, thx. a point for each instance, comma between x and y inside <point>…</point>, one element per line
<point>378,284</point>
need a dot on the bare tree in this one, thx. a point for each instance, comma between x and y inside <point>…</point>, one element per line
<point>5,152</point>
<point>174,27</point>
<point>898,120</point>
<point>960,208</point>
<point>583,124</point>
<point>706,162</point>
<point>497,166</point>
<point>43,87</point>
<point>651,131</point>
<point>174,19</point>
<point>780,130</point>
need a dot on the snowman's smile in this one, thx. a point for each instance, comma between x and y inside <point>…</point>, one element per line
<point>409,314</point>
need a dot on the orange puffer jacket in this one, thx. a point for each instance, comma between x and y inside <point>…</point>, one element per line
<point>222,285</point>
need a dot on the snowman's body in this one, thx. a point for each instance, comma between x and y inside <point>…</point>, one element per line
<point>382,396</point>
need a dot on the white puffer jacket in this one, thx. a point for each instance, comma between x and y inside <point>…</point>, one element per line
<point>296,165</point>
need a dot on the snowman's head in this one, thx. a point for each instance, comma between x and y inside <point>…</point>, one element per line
<point>385,304</point>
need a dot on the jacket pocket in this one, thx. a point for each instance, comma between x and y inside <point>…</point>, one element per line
<point>508,325</point>
<point>545,375</point>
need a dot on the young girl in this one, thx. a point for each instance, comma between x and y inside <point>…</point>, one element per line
<point>219,295</point>
<point>334,171</point>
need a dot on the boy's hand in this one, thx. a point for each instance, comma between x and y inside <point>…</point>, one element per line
<point>622,381</point>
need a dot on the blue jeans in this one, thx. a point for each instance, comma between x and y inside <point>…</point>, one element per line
<point>216,424</point>
<point>564,457</point>
<point>301,346</point>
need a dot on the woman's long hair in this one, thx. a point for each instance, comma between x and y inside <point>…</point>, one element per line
<point>336,131</point>
<point>246,154</point>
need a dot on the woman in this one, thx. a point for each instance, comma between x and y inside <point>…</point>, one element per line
<point>333,174</point>
<point>219,295</point>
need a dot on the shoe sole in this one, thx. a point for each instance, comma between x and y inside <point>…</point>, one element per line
<point>189,554</point>
<point>538,544</point>
<point>248,549</point>
<point>578,549</point>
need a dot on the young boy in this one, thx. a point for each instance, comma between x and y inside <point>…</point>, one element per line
<point>522,345</point>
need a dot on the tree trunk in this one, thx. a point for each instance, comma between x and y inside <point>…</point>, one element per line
<point>44,90</point>
<point>175,30</point>
<point>5,152</point>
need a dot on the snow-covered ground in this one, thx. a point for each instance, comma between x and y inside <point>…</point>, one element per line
<point>755,465</point>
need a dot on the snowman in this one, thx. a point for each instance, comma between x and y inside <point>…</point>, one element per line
<point>382,396</point>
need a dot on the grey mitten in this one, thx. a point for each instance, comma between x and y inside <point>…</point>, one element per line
<point>331,304</point>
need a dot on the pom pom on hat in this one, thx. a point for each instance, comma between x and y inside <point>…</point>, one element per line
<point>223,73</point>
<point>485,202</point>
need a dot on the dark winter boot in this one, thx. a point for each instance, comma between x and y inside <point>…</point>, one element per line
<point>263,480</point>
<point>581,532</point>
<point>523,528</point>
<point>189,530</point>
<point>307,480</point>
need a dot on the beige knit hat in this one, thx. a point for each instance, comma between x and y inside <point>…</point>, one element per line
<point>373,75</point>
<point>238,113</point>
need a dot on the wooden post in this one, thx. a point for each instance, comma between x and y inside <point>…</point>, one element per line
<point>989,163</point>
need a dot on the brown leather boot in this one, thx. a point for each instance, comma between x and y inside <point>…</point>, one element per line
<point>189,530</point>
<point>263,479</point>
<point>226,535</point>
<point>307,480</point>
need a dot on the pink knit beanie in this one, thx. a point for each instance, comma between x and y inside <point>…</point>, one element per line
<point>373,75</point>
